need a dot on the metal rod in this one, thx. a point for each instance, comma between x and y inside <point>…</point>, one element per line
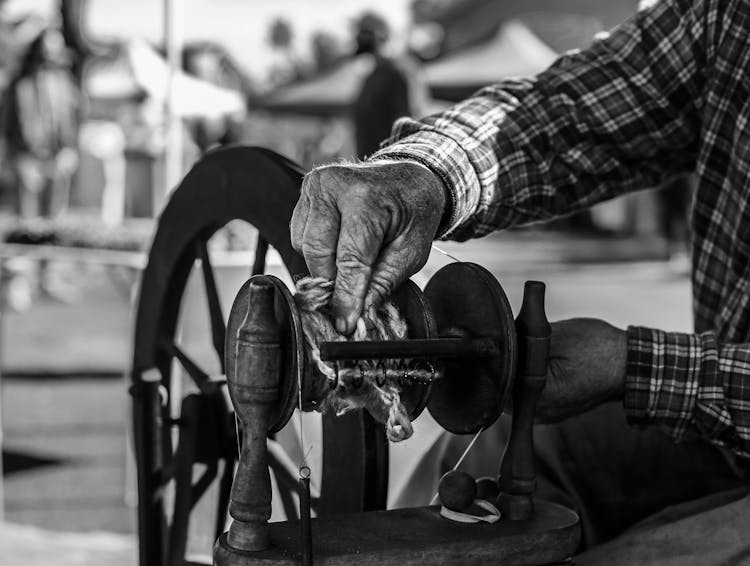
<point>418,348</point>
<point>304,515</point>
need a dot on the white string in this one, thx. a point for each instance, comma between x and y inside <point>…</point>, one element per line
<point>461,459</point>
<point>493,515</point>
<point>237,433</point>
<point>442,251</point>
<point>303,463</point>
<point>305,454</point>
<point>473,440</point>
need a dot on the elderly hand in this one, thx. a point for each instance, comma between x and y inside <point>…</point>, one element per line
<point>367,226</point>
<point>587,367</point>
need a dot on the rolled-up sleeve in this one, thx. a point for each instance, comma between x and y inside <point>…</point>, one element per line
<point>616,117</point>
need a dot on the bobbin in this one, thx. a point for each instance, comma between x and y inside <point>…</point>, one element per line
<point>472,351</point>
<point>475,350</point>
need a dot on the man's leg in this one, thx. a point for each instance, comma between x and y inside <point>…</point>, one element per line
<point>615,475</point>
<point>704,532</point>
<point>611,474</point>
<point>30,180</point>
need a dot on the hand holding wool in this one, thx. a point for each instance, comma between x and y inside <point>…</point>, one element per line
<point>367,227</point>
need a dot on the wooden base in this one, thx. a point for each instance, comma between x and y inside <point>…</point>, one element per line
<point>418,536</point>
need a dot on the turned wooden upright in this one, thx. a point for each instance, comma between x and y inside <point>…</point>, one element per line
<point>517,479</point>
<point>254,390</point>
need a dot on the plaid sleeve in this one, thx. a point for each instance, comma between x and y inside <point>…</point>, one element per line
<point>615,117</point>
<point>689,386</point>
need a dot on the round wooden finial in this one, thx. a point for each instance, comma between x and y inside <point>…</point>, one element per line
<point>457,490</point>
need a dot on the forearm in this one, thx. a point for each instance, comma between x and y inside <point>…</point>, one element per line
<point>616,117</point>
<point>689,385</point>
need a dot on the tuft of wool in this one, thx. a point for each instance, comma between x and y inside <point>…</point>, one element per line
<point>361,385</point>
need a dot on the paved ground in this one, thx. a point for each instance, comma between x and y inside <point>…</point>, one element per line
<point>69,434</point>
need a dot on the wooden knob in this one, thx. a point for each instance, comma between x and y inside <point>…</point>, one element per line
<point>457,490</point>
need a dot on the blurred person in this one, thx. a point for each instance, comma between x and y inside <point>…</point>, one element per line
<point>6,45</point>
<point>643,425</point>
<point>390,91</point>
<point>41,118</point>
<point>673,200</point>
<point>212,64</point>
<point>103,141</point>
<point>80,49</point>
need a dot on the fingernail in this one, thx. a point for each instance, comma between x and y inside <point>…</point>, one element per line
<point>341,325</point>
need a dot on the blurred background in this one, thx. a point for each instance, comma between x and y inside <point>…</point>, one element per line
<point>105,106</point>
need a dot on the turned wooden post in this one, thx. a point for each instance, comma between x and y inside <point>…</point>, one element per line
<point>517,479</point>
<point>254,389</point>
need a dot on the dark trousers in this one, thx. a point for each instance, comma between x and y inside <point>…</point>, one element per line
<point>613,475</point>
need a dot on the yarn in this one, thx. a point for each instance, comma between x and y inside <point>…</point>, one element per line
<point>371,384</point>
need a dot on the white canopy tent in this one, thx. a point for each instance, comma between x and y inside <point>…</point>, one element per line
<point>141,69</point>
<point>513,51</point>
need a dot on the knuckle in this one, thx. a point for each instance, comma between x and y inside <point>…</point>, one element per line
<point>315,251</point>
<point>311,178</point>
<point>381,286</point>
<point>349,262</point>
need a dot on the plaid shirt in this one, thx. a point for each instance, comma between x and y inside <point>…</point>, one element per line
<point>668,91</point>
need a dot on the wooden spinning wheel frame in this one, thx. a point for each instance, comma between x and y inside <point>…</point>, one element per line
<point>187,447</point>
<point>261,188</point>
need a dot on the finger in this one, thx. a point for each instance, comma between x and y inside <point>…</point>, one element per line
<point>314,228</point>
<point>320,238</point>
<point>397,262</point>
<point>299,218</point>
<point>359,245</point>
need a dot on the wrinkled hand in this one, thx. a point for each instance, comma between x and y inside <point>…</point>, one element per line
<point>587,367</point>
<point>368,227</point>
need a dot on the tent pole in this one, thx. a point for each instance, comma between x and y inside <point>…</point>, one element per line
<point>173,167</point>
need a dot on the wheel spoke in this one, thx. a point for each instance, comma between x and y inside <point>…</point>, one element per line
<point>199,377</point>
<point>281,466</point>
<point>218,327</point>
<point>281,462</point>
<point>261,249</point>
<point>205,481</point>
<point>225,489</point>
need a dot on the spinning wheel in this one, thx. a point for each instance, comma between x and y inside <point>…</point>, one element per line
<point>474,376</point>
<point>179,437</point>
<point>186,443</point>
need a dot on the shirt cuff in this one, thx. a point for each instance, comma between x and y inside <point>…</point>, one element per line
<point>445,158</point>
<point>663,377</point>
